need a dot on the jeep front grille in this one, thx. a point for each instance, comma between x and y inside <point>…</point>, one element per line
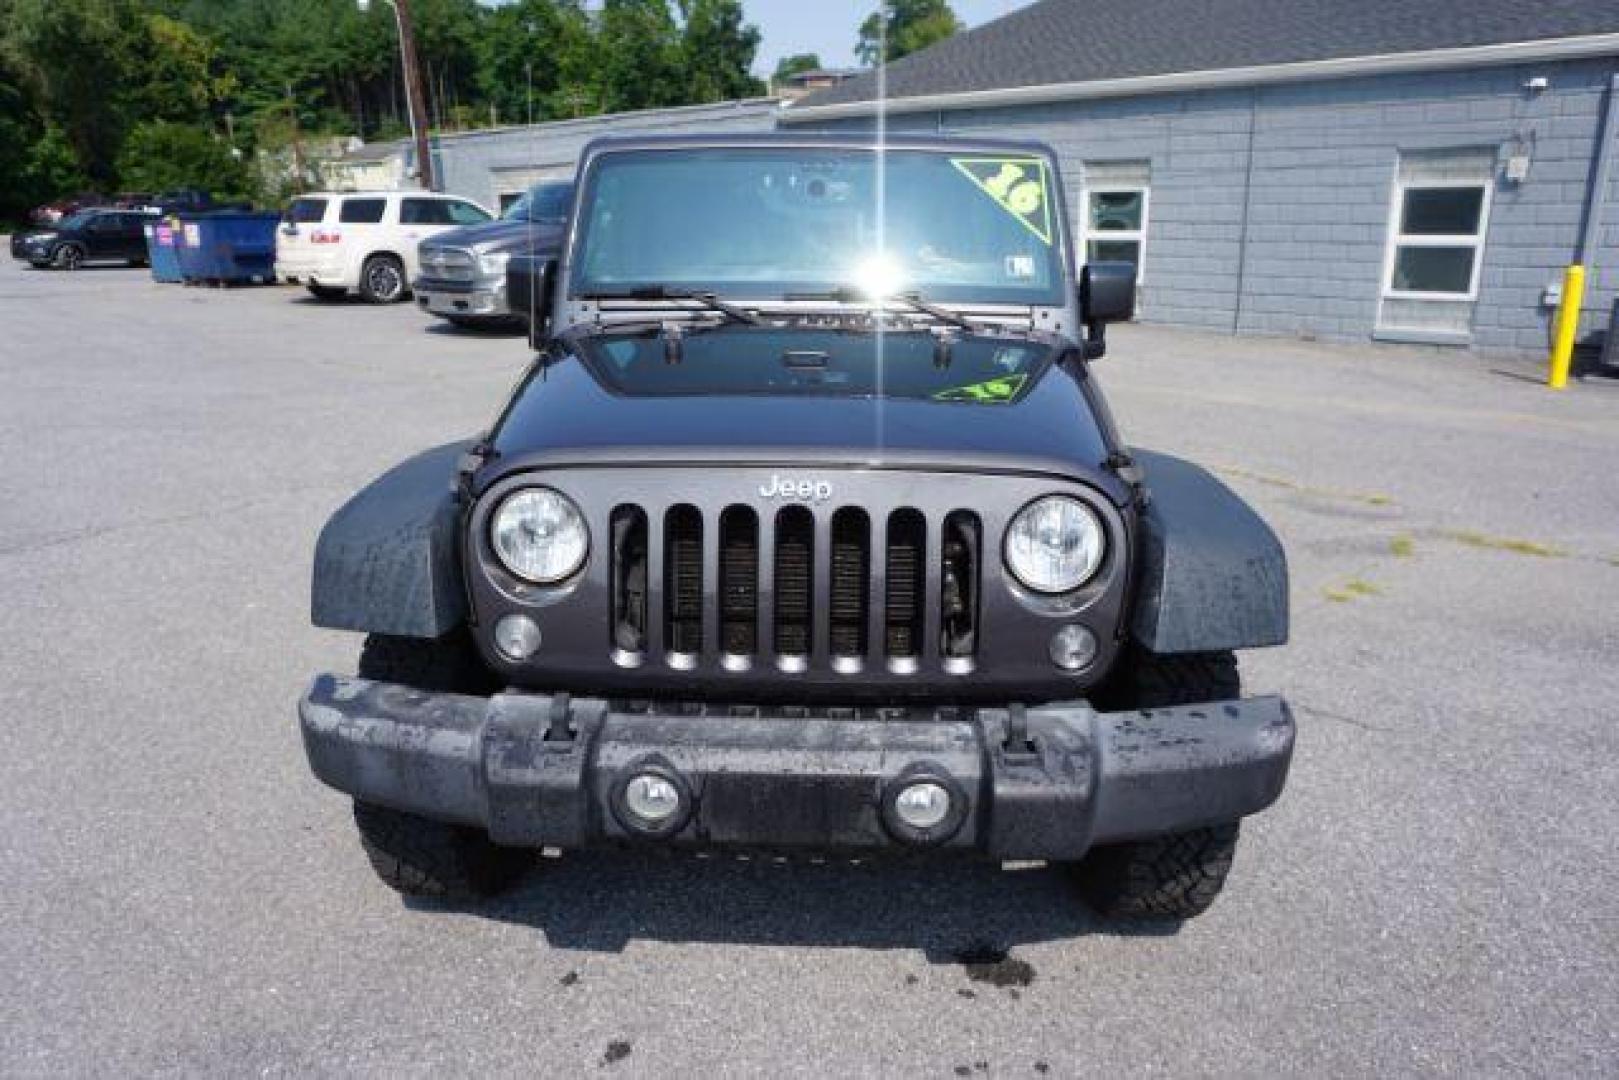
<point>829,588</point>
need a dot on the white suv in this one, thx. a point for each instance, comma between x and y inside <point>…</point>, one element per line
<point>331,242</point>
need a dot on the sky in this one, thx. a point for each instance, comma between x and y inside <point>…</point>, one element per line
<point>829,28</point>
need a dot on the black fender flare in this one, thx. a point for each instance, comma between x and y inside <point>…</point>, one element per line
<point>1212,576</point>
<point>387,561</point>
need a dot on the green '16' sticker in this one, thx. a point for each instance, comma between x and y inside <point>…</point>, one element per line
<point>989,392</point>
<point>1018,185</point>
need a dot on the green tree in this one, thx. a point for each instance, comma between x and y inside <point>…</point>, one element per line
<point>550,42</point>
<point>911,25</point>
<point>78,58</point>
<point>640,56</point>
<point>717,50</point>
<point>159,154</point>
<point>797,64</point>
<point>181,75</point>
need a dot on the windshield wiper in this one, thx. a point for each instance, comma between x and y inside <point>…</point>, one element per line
<point>914,301</point>
<point>664,292</point>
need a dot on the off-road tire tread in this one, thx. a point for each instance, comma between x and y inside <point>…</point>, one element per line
<point>1167,877</point>
<point>414,855</point>
<point>1144,680</point>
<point>1170,877</point>
<point>419,857</point>
<point>446,665</point>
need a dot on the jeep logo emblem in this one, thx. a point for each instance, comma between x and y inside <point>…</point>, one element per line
<point>781,487</point>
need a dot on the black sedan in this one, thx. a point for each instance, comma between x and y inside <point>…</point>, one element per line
<point>85,237</point>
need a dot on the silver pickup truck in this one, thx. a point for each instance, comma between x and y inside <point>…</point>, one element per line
<point>463,273</point>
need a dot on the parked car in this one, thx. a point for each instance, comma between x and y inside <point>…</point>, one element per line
<point>89,236</point>
<point>52,212</point>
<point>334,242</point>
<point>463,272</point>
<point>181,201</point>
<point>802,534</point>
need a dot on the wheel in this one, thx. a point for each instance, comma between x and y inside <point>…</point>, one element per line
<point>68,257</point>
<point>382,280</point>
<point>417,856</point>
<point>326,292</point>
<point>1167,877</point>
<point>446,665</point>
<point>1163,877</point>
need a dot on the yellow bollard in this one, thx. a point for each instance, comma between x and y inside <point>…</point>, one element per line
<point>1568,323</point>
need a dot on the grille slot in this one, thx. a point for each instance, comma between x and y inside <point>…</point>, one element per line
<point>683,580</point>
<point>851,581</point>
<point>627,583</point>
<point>795,560</point>
<point>960,560</point>
<point>906,586</point>
<point>739,581</point>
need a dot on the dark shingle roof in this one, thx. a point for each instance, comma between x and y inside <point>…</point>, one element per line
<point>1070,41</point>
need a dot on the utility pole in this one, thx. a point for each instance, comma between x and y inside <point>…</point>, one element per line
<point>415,94</point>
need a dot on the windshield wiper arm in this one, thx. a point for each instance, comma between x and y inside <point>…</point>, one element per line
<point>911,300</point>
<point>664,292</point>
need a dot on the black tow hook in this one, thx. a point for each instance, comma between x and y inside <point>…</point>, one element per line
<point>1019,747</point>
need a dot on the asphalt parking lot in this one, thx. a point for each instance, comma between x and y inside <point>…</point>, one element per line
<point>1437,890</point>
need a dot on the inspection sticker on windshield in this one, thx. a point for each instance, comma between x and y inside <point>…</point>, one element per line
<point>1018,185</point>
<point>989,392</point>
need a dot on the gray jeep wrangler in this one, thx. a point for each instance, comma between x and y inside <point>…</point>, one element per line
<point>807,529</point>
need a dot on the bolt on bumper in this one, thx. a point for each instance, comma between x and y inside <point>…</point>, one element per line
<point>1043,783</point>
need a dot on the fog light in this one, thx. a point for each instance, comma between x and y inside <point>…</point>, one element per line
<point>1073,648</point>
<point>922,805</point>
<point>652,798</point>
<point>517,636</point>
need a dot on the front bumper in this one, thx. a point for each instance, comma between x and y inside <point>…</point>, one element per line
<point>1043,783</point>
<point>481,299</point>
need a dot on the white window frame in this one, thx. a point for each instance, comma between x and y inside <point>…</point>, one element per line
<point>1087,234</point>
<point>1398,240</point>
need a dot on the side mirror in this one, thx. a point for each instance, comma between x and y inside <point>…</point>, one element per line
<point>1107,293</point>
<point>530,283</point>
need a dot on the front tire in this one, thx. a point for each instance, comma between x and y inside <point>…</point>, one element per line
<point>417,856</point>
<point>1176,876</point>
<point>382,280</point>
<point>1170,877</point>
<point>68,257</point>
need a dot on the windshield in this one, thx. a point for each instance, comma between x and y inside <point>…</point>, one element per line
<point>767,222</point>
<point>542,202</point>
<point>748,360</point>
<point>76,221</point>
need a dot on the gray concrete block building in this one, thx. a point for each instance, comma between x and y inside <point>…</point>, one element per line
<point>1418,172</point>
<point>1375,170</point>
<point>495,165</point>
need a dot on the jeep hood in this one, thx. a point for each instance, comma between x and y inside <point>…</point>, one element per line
<point>562,414</point>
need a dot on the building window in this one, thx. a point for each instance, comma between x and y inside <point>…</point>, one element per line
<point>1438,216</point>
<point>1114,215</point>
<point>1438,240</point>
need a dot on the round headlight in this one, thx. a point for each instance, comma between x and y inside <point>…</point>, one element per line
<point>539,535</point>
<point>1055,544</point>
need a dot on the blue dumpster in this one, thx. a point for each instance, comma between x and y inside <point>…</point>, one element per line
<point>227,247</point>
<point>162,237</point>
